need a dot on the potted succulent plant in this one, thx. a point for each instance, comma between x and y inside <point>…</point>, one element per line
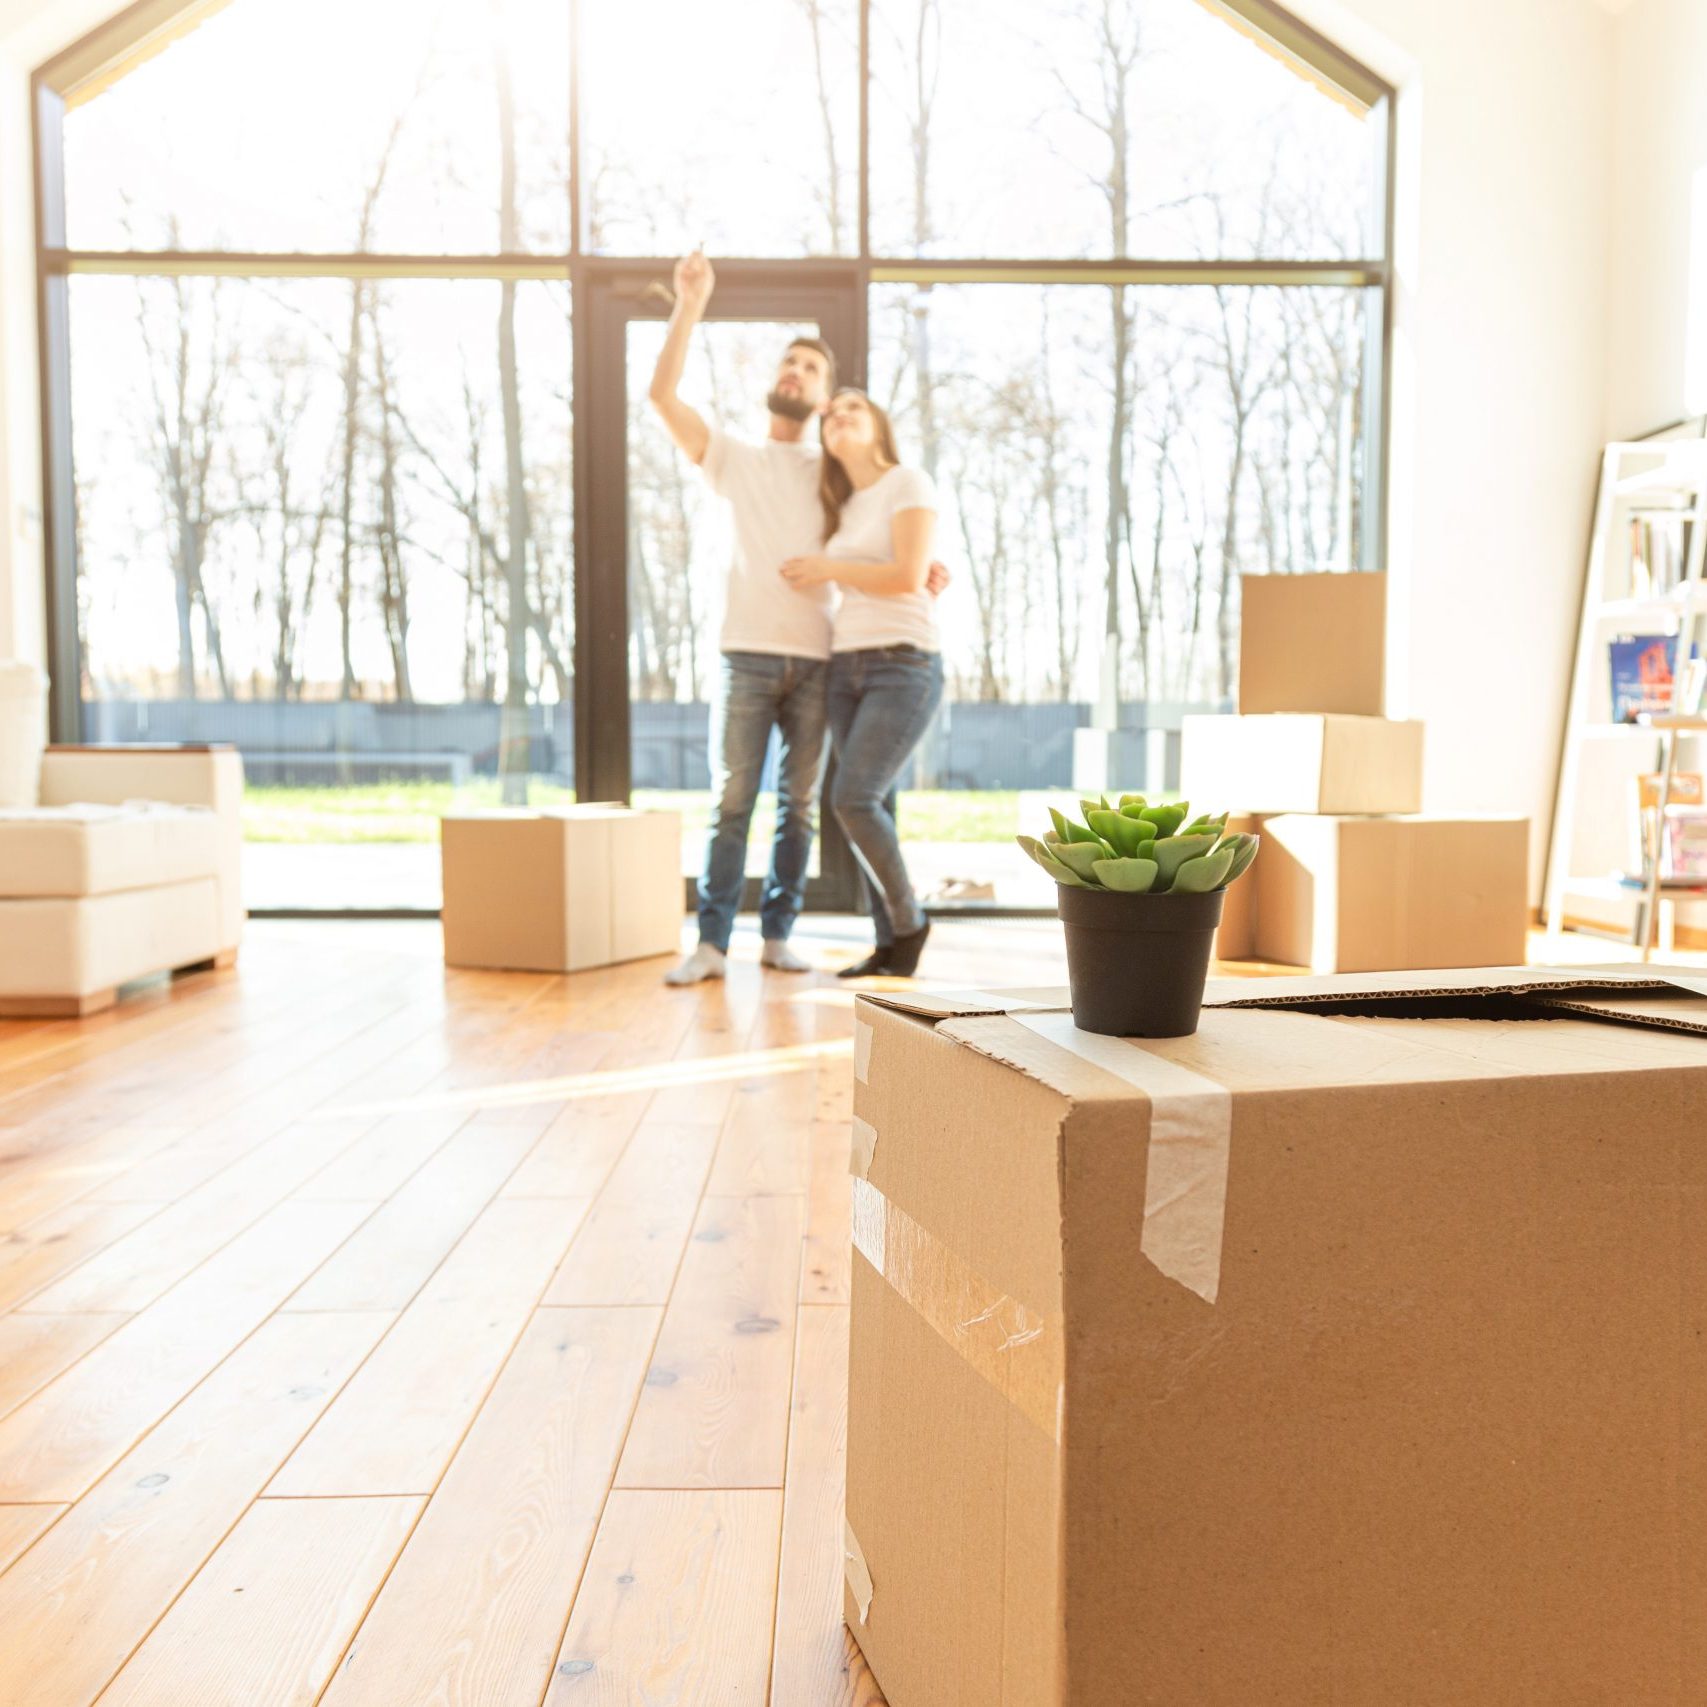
<point>1139,897</point>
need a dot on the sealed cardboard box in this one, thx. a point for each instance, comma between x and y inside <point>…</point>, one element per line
<point>1236,936</point>
<point>1313,643</point>
<point>1351,1350</point>
<point>1355,894</point>
<point>560,890</point>
<point>647,893</point>
<point>1284,763</point>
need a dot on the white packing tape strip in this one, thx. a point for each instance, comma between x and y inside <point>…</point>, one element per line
<point>856,1570</point>
<point>1014,1348</point>
<point>862,1149</point>
<point>1191,1132</point>
<point>862,1050</point>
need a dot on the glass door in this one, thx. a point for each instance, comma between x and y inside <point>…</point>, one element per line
<point>657,584</point>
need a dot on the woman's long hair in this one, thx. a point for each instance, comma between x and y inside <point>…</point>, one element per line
<point>834,486</point>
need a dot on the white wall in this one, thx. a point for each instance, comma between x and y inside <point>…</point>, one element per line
<point>1658,350</point>
<point>1501,395</point>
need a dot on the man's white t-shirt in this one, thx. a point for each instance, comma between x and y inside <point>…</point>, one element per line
<point>866,535</point>
<point>772,490</point>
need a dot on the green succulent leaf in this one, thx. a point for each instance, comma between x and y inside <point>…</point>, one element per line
<point>1206,824</point>
<point>1087,807</point>
<point>1068,831</point>
<point>1125,835</point>
<point>1172,852</point>
<point>1081,857</point>
<point>1244,851</point>
<point>1063,874</point>
<point>1199,876</point>
<point>1167,819</point>
<point>1128,876</point>
<point>1133,803</point>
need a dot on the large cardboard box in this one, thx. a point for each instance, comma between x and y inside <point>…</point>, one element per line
<point>1351,1350</point>
<point>561,890</point>
<point>1284,763</point>
<point>1354,894</point>
<point>1313,643</point>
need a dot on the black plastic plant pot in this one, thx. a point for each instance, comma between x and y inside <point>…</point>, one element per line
<point>1138,963</point>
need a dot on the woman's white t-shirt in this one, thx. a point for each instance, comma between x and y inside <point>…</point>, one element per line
<point>866,535</point>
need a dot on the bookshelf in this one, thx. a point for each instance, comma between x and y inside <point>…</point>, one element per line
<point>1644,578</point>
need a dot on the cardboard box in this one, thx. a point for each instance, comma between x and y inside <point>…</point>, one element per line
<point>1313,643</point>
<point>1374,1372</point>
<point>561,890</point>
<point>1309,763</point>
<point>1236,937</point>
<point>1351,894</point>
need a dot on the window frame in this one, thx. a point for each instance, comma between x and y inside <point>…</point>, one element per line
<point>105,54</point>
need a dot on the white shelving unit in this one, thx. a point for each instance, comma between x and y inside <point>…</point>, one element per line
<point>1638,478</point>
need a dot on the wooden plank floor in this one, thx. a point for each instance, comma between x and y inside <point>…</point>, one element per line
<point>372,1333</point>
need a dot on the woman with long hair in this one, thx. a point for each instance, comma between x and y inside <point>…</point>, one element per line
<point>885,659</point>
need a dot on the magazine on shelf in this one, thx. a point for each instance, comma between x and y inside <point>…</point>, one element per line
<point>1642,670</point>
<point>1687,795</point>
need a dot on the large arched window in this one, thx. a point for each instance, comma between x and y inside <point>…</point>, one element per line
<point>346,310</point>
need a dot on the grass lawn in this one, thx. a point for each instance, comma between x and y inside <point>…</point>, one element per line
<point>410,811</point>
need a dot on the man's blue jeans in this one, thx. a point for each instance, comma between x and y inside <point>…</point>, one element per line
<point>881,703</point>
<point>759,691</point>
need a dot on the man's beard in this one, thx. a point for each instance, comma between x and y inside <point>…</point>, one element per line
<point>790,405</point>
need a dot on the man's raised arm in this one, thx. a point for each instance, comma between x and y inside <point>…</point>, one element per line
<point>693,281</point>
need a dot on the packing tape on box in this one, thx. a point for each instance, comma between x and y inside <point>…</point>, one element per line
<point>863,1148</point>
<point>1191,1132</point>
<point>857,1572</point>
<point>1016,1349</point>
<point>862,1050</point>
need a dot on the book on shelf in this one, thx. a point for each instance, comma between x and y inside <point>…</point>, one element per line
<point>1683,843</point>
<point>1659,552</point>
<point>1642,667</point>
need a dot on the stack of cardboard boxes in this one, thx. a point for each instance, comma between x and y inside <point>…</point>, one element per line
<point>1353,876</point>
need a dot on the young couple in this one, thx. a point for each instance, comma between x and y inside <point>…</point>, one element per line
<point>828,618</point>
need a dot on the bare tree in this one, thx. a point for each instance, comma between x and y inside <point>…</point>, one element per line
<point>829,193</point>
<point>351,375</point>
<point>288,531</point>
<point>513,744</point>
<point>1246,384</point>
<point>388,527</point>
<point>922,54</point>
<point>1051,433</point>
<point>186,433</point>
<point>1117,44</point>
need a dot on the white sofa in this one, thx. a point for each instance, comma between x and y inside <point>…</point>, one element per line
<point>115,862</point>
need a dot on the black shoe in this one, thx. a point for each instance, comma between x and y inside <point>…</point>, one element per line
<point>904,952</point>
<point>874,963</point>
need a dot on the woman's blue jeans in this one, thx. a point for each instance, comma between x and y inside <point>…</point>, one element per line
<point>881,701</point>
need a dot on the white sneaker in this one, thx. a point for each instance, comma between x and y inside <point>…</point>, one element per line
<point>705,962</point>
<point>777,955</point>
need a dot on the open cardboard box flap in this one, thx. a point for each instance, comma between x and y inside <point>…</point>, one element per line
<point>1673,998</point>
